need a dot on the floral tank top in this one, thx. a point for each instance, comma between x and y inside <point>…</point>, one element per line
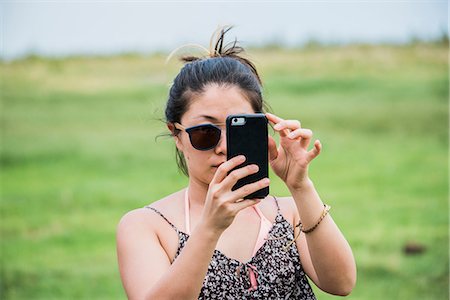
<point>275,268</point>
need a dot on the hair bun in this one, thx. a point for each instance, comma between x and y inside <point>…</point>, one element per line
<point>217,48</point>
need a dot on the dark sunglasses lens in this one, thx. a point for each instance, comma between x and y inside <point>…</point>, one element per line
<point>204,137</point>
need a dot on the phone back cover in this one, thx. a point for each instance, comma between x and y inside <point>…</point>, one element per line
<point>250,140</point>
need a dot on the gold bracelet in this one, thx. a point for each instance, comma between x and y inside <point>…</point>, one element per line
<point>326,209</point>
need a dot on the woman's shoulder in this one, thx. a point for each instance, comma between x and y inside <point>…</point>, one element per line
<point>288,208</point>
<point>286,203</point>
<point>168,203</point>
<point>147,219</point>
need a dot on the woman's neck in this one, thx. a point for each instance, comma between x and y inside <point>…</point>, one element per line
<point>197,192</point>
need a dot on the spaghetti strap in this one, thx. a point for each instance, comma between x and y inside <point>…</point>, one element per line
<point>159,213</point>
<point>276,202</point>
<point>187,218</point>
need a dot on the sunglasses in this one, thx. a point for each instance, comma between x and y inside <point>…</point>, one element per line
<point>203,137</point>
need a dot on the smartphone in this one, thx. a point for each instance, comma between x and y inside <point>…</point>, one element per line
<point>247,135</point>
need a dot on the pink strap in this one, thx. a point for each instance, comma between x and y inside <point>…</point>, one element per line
<point>264,229</point>
<point>187,218</point>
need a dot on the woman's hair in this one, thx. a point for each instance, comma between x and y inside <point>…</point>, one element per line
<point>223,66</point>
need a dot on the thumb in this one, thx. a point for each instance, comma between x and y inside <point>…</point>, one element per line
<point>245,203</point>
<point>273,151</point>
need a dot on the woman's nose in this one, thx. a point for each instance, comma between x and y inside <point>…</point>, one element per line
<point>221,147</point>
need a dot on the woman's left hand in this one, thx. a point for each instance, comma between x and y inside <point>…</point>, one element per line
<point>291,160</point>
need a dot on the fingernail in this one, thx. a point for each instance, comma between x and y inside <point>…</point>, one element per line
<point>241,158</point>
<point>266,181</point>
<point>278,126</point>
<point>291,135</point>
<point>255,167</point>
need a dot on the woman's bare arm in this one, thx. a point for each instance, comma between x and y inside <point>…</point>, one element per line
<point>145,266</point>
<point>325,253</point>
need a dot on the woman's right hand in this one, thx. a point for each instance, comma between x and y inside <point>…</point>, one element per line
<point>222,204</point>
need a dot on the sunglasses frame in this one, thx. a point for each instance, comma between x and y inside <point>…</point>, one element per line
<point>188,130</point>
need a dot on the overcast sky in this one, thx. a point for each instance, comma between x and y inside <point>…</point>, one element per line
<point>96,27</point>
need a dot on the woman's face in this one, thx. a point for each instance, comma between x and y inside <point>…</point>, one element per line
<point>213,106</point>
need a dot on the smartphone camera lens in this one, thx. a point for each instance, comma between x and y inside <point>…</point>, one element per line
<point>234,120</point>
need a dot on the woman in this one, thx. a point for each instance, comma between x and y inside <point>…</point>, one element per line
<point>206,241</point>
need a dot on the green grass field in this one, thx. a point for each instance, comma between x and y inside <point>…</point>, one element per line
<point>78,151</point>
